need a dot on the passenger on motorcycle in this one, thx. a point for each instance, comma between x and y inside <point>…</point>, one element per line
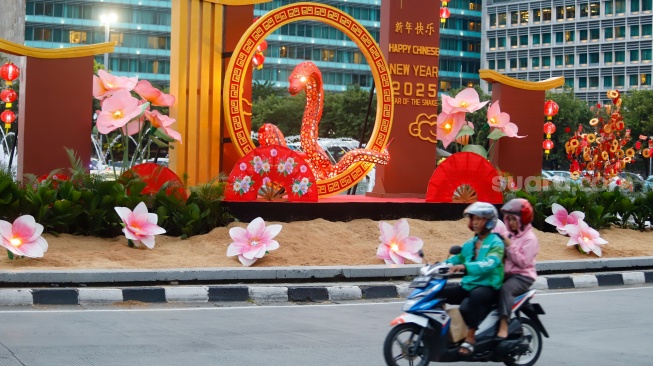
<point>481,259</point>
<point>522,247</point>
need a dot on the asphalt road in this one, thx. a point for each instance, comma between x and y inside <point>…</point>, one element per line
<point>599,328</point>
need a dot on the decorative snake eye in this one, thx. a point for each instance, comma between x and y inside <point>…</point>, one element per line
<point>302,79</point>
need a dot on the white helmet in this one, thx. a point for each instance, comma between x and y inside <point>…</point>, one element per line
<point>483,209</point>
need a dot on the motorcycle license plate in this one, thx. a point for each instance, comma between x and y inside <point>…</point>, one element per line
<point>420,282</point>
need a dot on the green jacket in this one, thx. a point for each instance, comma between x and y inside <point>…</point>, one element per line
<point>487,269</point>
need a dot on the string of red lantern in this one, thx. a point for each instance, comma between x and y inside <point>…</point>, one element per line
<point>8,72</point>
<point>550,109</point>
<point>259,58</point>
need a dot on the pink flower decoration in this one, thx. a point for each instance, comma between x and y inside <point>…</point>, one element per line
<point>448,126</point>
<point>140,226</point>
<point>23,237</point>
<point>583,235</point>
<point>466,101</point>
<point>106,84</point>
<point>163,122</point>
<point>252,243</point>
<point>153,95</point>
<point>501,120</point>
<point>117,111</point>
<point>396,246</point>
<point>560,218</point>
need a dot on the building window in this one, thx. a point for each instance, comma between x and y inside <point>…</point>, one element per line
<point>514,18</point>
<point>513,41</point>
<point>595,34</point>
<point>646,30</point>
<point>608,33</point>
<point>523,16</point>
<point>594,58</point>
<point>607,57</point>
<point>595,9</point>
<point>502,19</point>
<point>546,14</point>
<point>558,61</point>
<point>327,55</point>
<point>560,13</point>
<point>546,38</point>
<point>645,79</point>
<point>546,61</point>
<point>536,39</point>
<point>634,31</point>
<point>634,6</point>
<point>582,59</point>
<point>535,62</point>
<point>501,64</point>
<point>620,32</point>
<point>41,34</point>
<point>607,81</point>
<point>569,36</point>
<point>620,6</point>
<point>571,11</point>
<point>569,82</point>
<point>608,7</point>
<point>502,42</point>
<point>594,82</point>
<point>646,55</point>
<point>619,56</point>
<point>647,5</point>
<point>513,63</point>
<point>493,43</point>
<point>523,40</point>
<point>491,64</point>
<point>584,10</point>
<point>619,81</point>
<point>560,36</point>
<point>493,20</point>
<point>582,83</point>
<point>569,60</point>
<point>537,15</point>
<point>634,55</point>
<point>77,37</point>
<point>632,81</point>
<point>523,62</point>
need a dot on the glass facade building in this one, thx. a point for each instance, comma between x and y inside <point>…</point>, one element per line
<point>595,45</point>
<point>141,31</point>
<point>342,63</point>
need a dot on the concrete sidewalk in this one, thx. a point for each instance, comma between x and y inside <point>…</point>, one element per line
<point>287,284</point>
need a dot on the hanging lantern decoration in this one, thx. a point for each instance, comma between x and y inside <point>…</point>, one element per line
<point>547,145</point>
<point>549,129</point>
<point>262,46</point>
<point>8,117</point>
<point>550,109</point>
<point>445,13</point>
<point>8,96</point>
<point>258,60</point>
<point>9,72</point>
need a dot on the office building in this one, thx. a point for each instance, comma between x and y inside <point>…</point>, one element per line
<point>595,45</point>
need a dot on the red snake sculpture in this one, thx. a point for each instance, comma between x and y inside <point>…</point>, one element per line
<point>308,77</point>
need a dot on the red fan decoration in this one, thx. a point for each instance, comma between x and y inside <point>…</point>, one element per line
<point>269,168</point>
<point>155,176</point>
<point>465,177</point>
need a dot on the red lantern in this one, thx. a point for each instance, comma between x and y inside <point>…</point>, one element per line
<point>7,116</point>
<point>445,13</point>
<point>9,72</point>
<point>549,128</point>
<point>258,60</point>
<point>547,145</point>
<point>550,109</point>
<point>8,96</point>
<point>262,47</point>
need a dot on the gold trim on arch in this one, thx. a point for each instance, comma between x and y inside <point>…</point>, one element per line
<point>237,2</point>
<point>53,53</point>
<point>495,77</point>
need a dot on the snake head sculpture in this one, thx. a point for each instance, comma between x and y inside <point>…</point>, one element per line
<point>305,75</point>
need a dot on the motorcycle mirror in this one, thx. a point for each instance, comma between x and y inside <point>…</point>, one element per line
<point>456,249</point>
<point>420,253</point>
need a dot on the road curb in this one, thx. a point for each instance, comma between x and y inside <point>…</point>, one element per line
<point>276,294</point>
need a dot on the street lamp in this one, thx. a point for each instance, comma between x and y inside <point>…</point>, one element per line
<point>107,19</point>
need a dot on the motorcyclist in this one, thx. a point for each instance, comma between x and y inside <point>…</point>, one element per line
<point>481,259</point>
<point>522,247</point>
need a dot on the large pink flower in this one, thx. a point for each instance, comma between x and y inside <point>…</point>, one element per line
<point>583,235</point>
<point>252,243</point>
<point>23,237</point>
<point>501,120</point>
<point>466,101</point>
<point>560,218</point>
<point>106,84</point>
<point>117,111</point>
<point>140,225</point>
<point>163,122</point>
<point>396,246</point>
<point>153,95</point>
<point>448,126</point>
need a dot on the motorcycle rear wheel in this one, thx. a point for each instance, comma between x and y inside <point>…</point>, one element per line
<point>535,345</point>
<point>399,347</point>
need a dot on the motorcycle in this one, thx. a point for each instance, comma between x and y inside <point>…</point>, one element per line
<point>420,334</point>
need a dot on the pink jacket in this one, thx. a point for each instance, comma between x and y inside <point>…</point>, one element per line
<point>520,255</point>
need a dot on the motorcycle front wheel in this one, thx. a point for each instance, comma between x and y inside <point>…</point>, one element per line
<point>534,347</point>
<point>401,346</point>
